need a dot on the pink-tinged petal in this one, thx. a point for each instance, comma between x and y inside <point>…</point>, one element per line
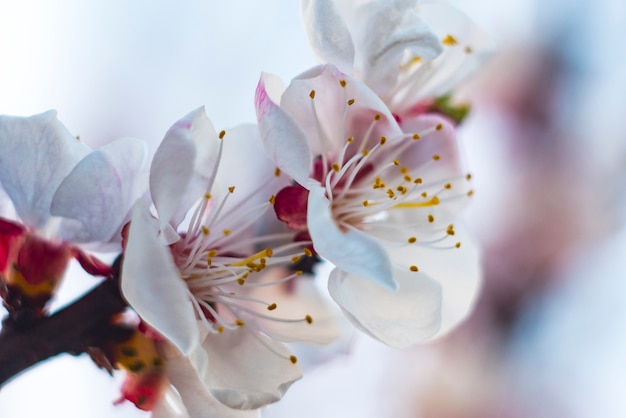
<point>291,207</point>
<point>248,370</point>
<point>457,270</point>
<point>100,190</point>
<point>328,34</point>
<point>284,140</point>
<point>385,32</point>
<point>91,264</point>
<point>37,153</point>
<point>352,250</point>
<point>440,143</point>
<point>399,318</point>
<point>196,399</point>
<point>318,100</point>
<point>152,286</point>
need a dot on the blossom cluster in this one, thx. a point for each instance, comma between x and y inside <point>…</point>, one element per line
<point>355,163</point>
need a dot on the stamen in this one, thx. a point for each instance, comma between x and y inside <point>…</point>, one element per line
<point>449,40</point>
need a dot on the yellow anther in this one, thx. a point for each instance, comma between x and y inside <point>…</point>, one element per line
<point>412,240</point>
<point>468,177</point>
<point>431,218</point>
<point>212,253</point>
<point>222,133</point>
<point>377,116</point>
<point>436,157</point>
<point>342,83</point>
<point>272,199</point>
<point>226,232</point>
<point>418,180</point>
<point>295,259</point>
<point>366,203</point>
<point>457,245</point>
<point>390,193</point>
<point>401,189</point>
<point>450,230</point>
<point>424,195</point>
<point>365,152</point>
<point>220,329</point>
<point>468,49</point>
<point>350,102</point>
<point>241,281</point>
<point>351,139</point>
<point>277,172</point>
<point>271,307</point>
<point>298,272</point>
<point>240,323</point>
<point>308,319</point>
<point>408,178</point>
<point>293,359</point>
<point>378,183</point>
<point>414,268</point>
<point>439,127</point>
<point>246,261</point>
<point>416,136</point>
<point>447,186</point>
<point>207,196</point>
<point>434,201</point>
<point>336,167</point>
<point>312,94</point>
<point>308,252</point>
<point>205,230</point>
<point>449,40</point>
<point>231,189</point>
<point>396,162</point>
<point>404,170</point>
<point>383,140</point>
<point>470,193</point>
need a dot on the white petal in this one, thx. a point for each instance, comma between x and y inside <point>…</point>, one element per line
<point>195,397</point>
<point>328,34</point>
<point>455,63</point>
<point>183,165</point>
<point>388,30</point>
<point>152,286</point>
<point>37,153</point>
<point>244,373</point>
<point>458,271</point>
<point>398,318</point>
<point>352,251</point>
<point>100,190</point>
<point>285,141</point>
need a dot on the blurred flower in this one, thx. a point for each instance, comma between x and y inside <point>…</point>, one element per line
<point>406,53</point>
<point>211,270</point>
<point>62,192</point>
<point>373,195</point>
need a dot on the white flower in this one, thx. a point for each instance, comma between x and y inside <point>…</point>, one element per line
<point>64,194</point>
<point>378,194</point>
<point>212,270</point>
<point>405,52</point>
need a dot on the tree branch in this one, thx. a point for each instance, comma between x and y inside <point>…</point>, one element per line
<point>23,344</point>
